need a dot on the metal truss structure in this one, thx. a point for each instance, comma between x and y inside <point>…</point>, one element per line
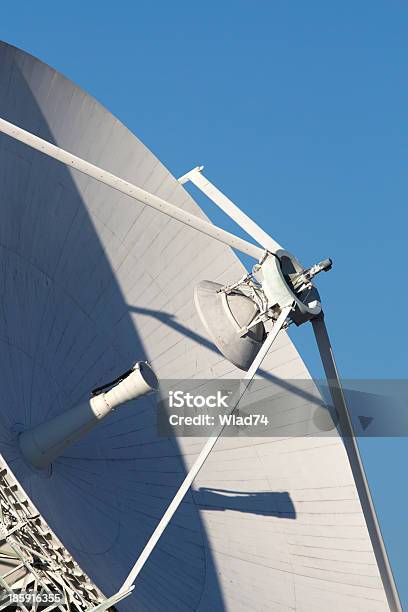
<point>32,559</point>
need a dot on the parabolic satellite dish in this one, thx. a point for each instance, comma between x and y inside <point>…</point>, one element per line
<point>93,281</point>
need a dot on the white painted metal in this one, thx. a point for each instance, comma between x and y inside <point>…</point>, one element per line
<point>196,177</point>
<point>278,291</point>
<point>25,541</point>
<point>115,599</point>
<point>350,442</point>
<point>45,442</point>
<point>129,189</point>
<point>206,450</point>
<point>226,317</point>
<point>91,279</point>
<point>270,275</point>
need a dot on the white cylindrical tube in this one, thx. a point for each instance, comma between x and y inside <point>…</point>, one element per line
<point>47,441</point>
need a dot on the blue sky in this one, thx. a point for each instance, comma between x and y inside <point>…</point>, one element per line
<point>299,111</point>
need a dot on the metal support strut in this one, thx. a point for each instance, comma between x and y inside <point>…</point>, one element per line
<point>206,450</point>
<point>356,464</point>
<point>205,227</point>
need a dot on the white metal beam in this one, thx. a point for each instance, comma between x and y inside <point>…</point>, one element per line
<point>206,450</point>
<point>196,177</point>
<point>129,189</point>
<point>356,464</point>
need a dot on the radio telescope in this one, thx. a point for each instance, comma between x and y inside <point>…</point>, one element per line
<point>94,278</point>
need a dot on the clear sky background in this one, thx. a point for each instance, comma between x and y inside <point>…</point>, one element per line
<point>299,111</point>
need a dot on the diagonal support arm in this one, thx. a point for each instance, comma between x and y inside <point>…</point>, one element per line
<point>72,161</point>
<point>196,177</point>
<point>350,443</point>
<point>206,450</point>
